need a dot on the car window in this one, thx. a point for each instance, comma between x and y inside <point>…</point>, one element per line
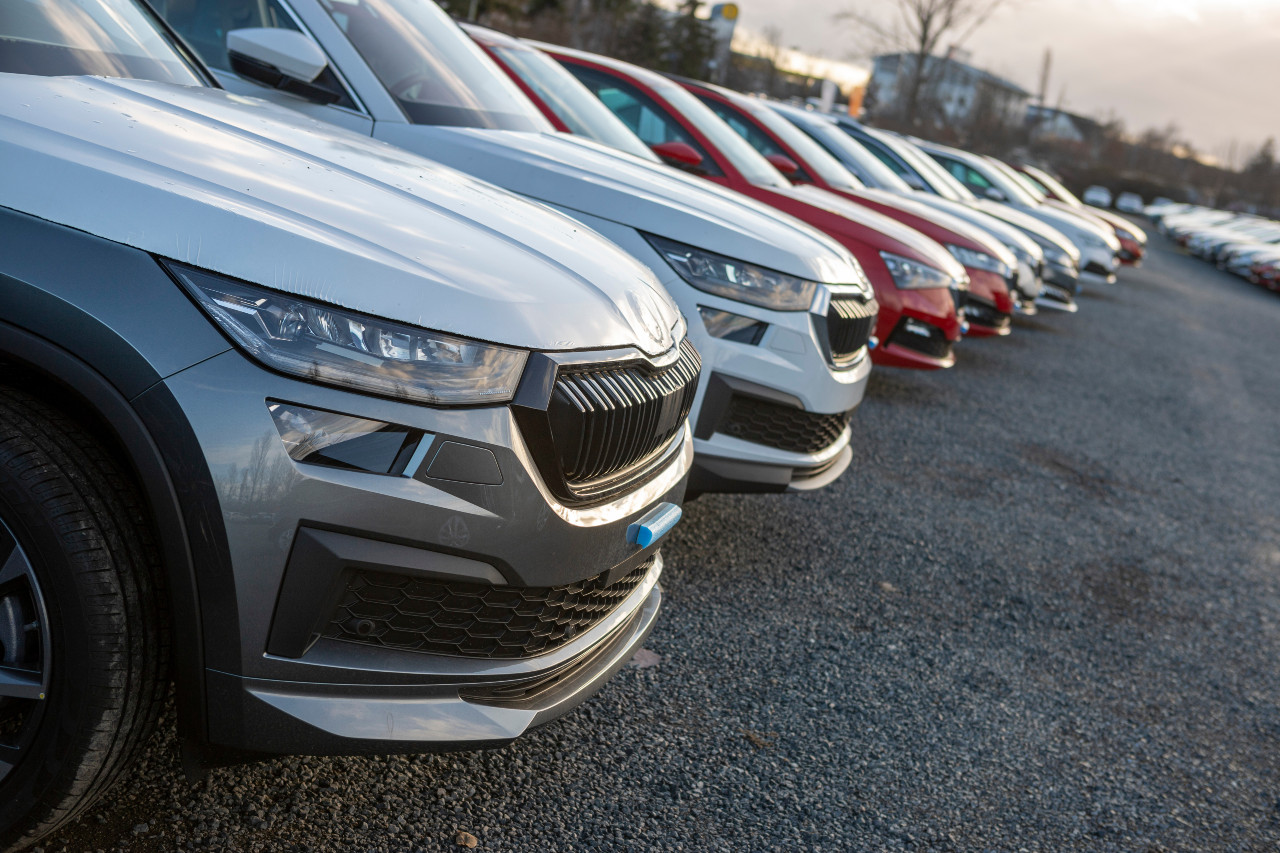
<point>1054,186</point>
<point>582,113</point>
<point>939,179</point>
<point>110,38</point>
<point>882,154</point>
<point>436,73</point>
<point>755,137</point>
<point>748,131</point>
<point>971,178</point>
<point>750,163</point>
<point>640,113</point>
<point>204,25</point>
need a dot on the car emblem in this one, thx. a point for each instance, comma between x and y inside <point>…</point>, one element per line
<point>646,318</point>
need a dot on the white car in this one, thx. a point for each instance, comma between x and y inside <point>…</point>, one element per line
<point>1129,203</point>
<point>1097,196</point>
<point>1099,249</point>
<point>782,315</point>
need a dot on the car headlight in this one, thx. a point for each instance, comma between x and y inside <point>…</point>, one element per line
<point>913,275</point>
<point>1093,241</point>
<point>735,279</point>
<point>1058,257</point>
<point>325,344</point>
<point>979,260</point>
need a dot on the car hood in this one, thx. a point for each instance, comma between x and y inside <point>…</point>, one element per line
<point>242,188</point>
<point>1088,213</point>
<point>1074,223</point>
<point>924,248</point>
<point>576,174</point>
<point>997,228</point>
<point>1027,223</point>
<point>957,225</point>
<point>1115,220</point>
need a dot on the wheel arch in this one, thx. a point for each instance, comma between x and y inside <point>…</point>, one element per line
<point>105,409</point>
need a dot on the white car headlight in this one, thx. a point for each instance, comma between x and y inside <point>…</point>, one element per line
<point>736,280</point>
<point>979,260</point>
<point>331,345</point>
<point>1093,241</point>
<point>913,275</point>
<point>1058,257</point>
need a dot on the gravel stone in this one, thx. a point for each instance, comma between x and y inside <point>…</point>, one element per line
<point>1041,612</point>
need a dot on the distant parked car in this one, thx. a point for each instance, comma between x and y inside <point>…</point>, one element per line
<point>1133,240</point>
<point>1098,196</point>
<point>1129,203</point>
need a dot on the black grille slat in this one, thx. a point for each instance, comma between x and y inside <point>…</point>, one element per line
<point>850,322</point>
<point>470,619</point>
<point>782,427</point>
<point>607,421</point>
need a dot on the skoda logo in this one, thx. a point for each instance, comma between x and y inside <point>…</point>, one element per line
<point>646,318</point>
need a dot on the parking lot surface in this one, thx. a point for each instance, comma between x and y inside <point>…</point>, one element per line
<point>1040,612</point>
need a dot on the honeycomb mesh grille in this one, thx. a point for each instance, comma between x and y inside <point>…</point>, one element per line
<point>607,422</point>
<point>782,427</point>
<point>473,620</point>
<point>983,313</point>
<point>849,325</point>
<point>934,344</point>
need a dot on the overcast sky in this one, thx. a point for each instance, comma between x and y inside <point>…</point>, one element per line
<point>1211,66</point>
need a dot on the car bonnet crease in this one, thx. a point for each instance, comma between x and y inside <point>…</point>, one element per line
<point>257,192</point>
<point>579,175</point>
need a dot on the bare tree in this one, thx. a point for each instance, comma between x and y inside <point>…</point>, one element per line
<point>920,28</point>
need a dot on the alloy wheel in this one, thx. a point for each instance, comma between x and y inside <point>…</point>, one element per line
<point>24,651</point>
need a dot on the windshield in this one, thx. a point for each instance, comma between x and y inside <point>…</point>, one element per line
<point>830,136</point>
<point>1053,186</point>
<point>747,160</point>
<point>1013,189</point>
<point>937,177</point>
<point>571,101</point>
<point>816,158</point>
<point>108,38</point>
<point>436,73</point>
<point>1019,180</point>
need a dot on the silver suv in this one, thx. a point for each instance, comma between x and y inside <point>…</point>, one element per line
<point>372,456</point>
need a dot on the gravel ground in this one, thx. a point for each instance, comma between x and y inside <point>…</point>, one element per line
<point>1039,613</point>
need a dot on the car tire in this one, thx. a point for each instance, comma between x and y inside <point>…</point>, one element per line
<point>83,622</point>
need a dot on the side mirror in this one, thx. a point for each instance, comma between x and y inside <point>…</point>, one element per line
<point>679,154</point>
<point>784,164</point>
<point>994,194</point>
<point>283,59</point>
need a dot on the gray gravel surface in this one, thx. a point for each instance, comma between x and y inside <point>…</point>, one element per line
<point>1039,613</point>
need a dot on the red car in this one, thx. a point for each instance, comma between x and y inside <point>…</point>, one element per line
<point>989,307</point>
<point>1133,240</point>
<point>1266,273</point>
<point>917,282</point>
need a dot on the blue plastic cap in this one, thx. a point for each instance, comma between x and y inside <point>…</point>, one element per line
<point>654,526</point>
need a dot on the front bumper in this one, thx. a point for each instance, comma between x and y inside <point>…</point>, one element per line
<point>281,678</point>
<point>1099,267</point>
<point>918,329</point>
<point>990,305</point>
<point>1132,252</point>
<point>782,359</point>
<point>1060,288</point>
<point>464,711</point>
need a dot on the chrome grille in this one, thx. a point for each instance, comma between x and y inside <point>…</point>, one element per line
<point>609,425</point>
<point>850,322</point>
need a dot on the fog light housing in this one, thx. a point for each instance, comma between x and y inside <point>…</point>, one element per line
<point>732,327</point>
<point>317,437</point>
